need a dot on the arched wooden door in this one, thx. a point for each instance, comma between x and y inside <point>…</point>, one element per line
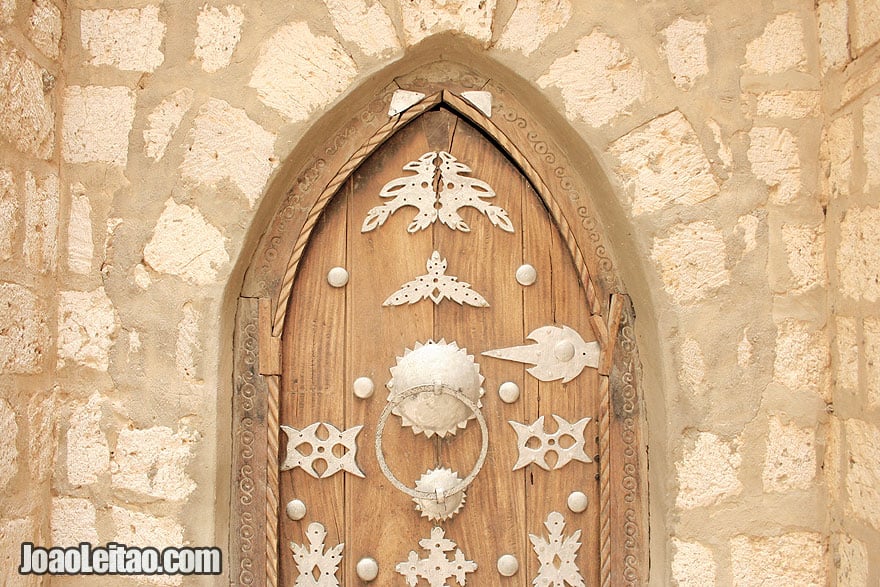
<point>429,337</point>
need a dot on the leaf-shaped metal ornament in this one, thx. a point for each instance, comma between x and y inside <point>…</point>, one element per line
<point>439,189</point>
<point>458,191</point>
<point>437,286</point>
<point>412,190</point>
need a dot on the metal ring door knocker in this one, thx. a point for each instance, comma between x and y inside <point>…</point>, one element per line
<point>435,389</point>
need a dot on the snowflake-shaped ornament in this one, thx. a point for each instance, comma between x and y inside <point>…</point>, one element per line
<point>534,443</point>
<point>316,567</point>
<point>322,449</point>
<point>437,569</point>
<point>437,286</point>
<point>557,555</point>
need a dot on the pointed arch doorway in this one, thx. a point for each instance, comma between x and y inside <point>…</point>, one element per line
<point>457,459</point>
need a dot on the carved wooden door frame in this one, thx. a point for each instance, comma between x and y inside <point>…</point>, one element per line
<point>262,307</point>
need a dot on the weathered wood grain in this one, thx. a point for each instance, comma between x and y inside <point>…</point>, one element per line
<point>382,521</point>
<point>493,521</point>
<point>313,361</point>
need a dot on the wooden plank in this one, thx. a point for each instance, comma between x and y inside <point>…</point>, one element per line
<point>615,311</point>
<point>492,522</point>
<point>270,346</point>
<point>381,521</point>
<point>314,368</point>
<point>537,311</point>
<point>558,298</point>
<point>575,400</point>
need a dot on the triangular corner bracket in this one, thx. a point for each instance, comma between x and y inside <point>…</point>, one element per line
<point>403,100</point>
<point>481,100</point>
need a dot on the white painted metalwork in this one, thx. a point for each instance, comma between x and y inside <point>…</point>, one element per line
<point>481,100</point>
<point>403,100</point>
<point>437,286</point>
<point>296,510</point>
<point>577,501</point>
<point>437,569</point>
<point>547,443</point>
<point>367,569</point>
<point>508,392</point>
<point>458,191</point>
<point>322,450</point>
<point>426,365</point>
<point>561,353</point>
<point>526,275</point>
<point>435,390</point>
<point>443,505</point>
<point>507,565</point>
<point>438,190</point>
<point>316,567</point>
<point>363,387</point>
<point>557,554</point>
<point>337,277</point>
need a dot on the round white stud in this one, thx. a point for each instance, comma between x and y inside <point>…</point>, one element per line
<point>367,569</point>
<point>526,275</point>
<point>508,392</point>
<point>296,510</point>
<point>363,387</point>
<point>577,501</point>
<point>337,277</point>
<point>507,565</point>
<point>564,350</point>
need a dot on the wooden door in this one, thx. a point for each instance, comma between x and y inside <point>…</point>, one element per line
<point>334,336</point>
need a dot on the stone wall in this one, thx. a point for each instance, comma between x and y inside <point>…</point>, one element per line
<point>33,267</point>
<point>139,147</point>
<point>850,163</point>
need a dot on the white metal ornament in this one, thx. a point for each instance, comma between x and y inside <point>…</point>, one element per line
<point>427,365</point>
<point>443,505</point>
<point>403,100</point>
<point>561,353</point>
<point>337,277</point>
<point>437,569</point>
<point>363,387</point>
<point>316,567</point>
<point>437,286</point>
<point>508,392</point>
<point>557,554</point>
<point>550,443</point>
<point>296,510</point>
<point>508,565</point>
<point>526,275</point>
<point>367,569</point>
<point>435,388</point>
<point>460,486</point>
<point>577,501</point>
<point>322,449</point>
<point>437,190</point>
<point>481,100</point>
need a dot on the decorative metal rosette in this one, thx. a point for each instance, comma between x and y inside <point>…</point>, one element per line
<point>434,364</point>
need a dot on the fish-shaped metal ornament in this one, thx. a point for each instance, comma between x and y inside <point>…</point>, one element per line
<point>560,353</point>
